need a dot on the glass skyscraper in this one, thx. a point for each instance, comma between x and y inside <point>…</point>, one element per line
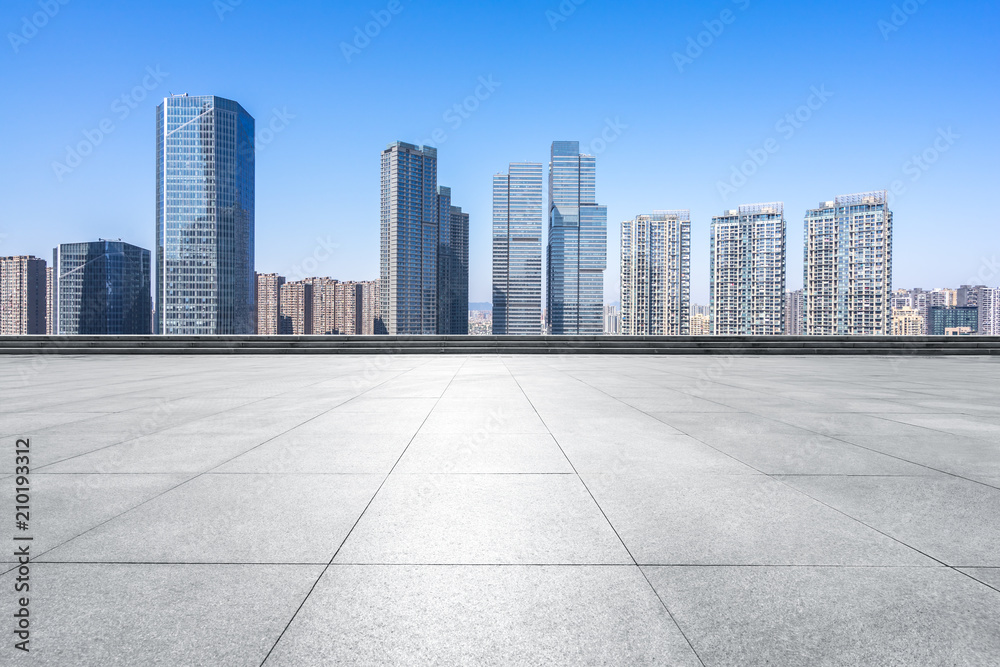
<point>453,267</point>
<point>577,244</point>
<point>848,267</point>
<point>102,288</point>
<point>747,271</point>
<point>424,259</point>
<point>518,211</point>
<point>204,217</point>
<point>656,274</point>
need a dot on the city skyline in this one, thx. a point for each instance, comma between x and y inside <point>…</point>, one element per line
<point>317,146</point>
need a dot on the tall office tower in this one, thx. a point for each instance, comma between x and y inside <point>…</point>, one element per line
<point>204,217</point>
<point>268,300</point>
<point>349,303</point>
<point>369,314</point>
<point>296,309</point>
<point>577,252</point>
<point>518,211</point>
<point>103,288</point>
<point>656,274</point>
<point>50,293</point>
<point>22,295</point>
<point>988,303</point>
<point>323,306</point>
<point>700,324</point>
<point>952,320</point>
<point>907,321</point>
<point>453,267</point>
<point>848,266</point>
<point>409,240</point>
<point>747,271</point>
<point>793,313</point>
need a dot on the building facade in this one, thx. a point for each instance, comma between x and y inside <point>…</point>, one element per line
<point>369,316</point>
<point>988,303</point>
<point>409,238</point>
<point>50,292</point>
<point>268,304</point>
<point>577,251</point>
<point>296,308</point>
<point>453,267</point>
<point>204,217</point>
<point>612,321</point>
<point>793,313</point>
<point>102,288</point>
<point>907,321</point>
<point>22,296</point>
<point>518,212</point>
<point>848,266</point>
<point>656,274</point>
<point>700,325</point>
<point>747,271</point>
<point>960,320</point>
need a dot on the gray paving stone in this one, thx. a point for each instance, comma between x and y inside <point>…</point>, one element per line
<point>832,616</point>
<point>94,615</point>
<point>448,615</point>
<point>736,520</point>
<point>483,519</point>
<point>988,575</point>
<point>64,506</point>
<point>227,518</point>
<point>483,452</point>
<point>951,519</point>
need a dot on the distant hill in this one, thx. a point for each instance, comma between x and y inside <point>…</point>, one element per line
<point>481,306</point>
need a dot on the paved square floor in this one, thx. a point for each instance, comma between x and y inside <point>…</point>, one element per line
<point>450,510</point>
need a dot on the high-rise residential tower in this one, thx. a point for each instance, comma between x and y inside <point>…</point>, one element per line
<point>453,267</point>
<point>518,211</point>
<point>409,237</point>
<point>747,271</point>
<point>369,313</point>
<point>424,258</point>
<point>268,304</point>
<point>205,280</point>
<point>22,296</point>
<point>848,267</point>
<point>988,303</point>
<point>102,288</point>
<point>656,274</point>
<point>793,313</point>
<point>576,256</point>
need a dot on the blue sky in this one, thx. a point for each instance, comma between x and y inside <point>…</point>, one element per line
<point>896,80</point>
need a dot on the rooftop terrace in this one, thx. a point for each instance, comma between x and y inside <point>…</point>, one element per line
<point>463,509</point>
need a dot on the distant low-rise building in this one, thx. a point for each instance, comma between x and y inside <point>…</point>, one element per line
<point>907,321</point>
<point>953,318</point>
<point>700,325</point>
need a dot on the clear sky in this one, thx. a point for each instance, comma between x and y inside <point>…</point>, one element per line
<point>895,79</point>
